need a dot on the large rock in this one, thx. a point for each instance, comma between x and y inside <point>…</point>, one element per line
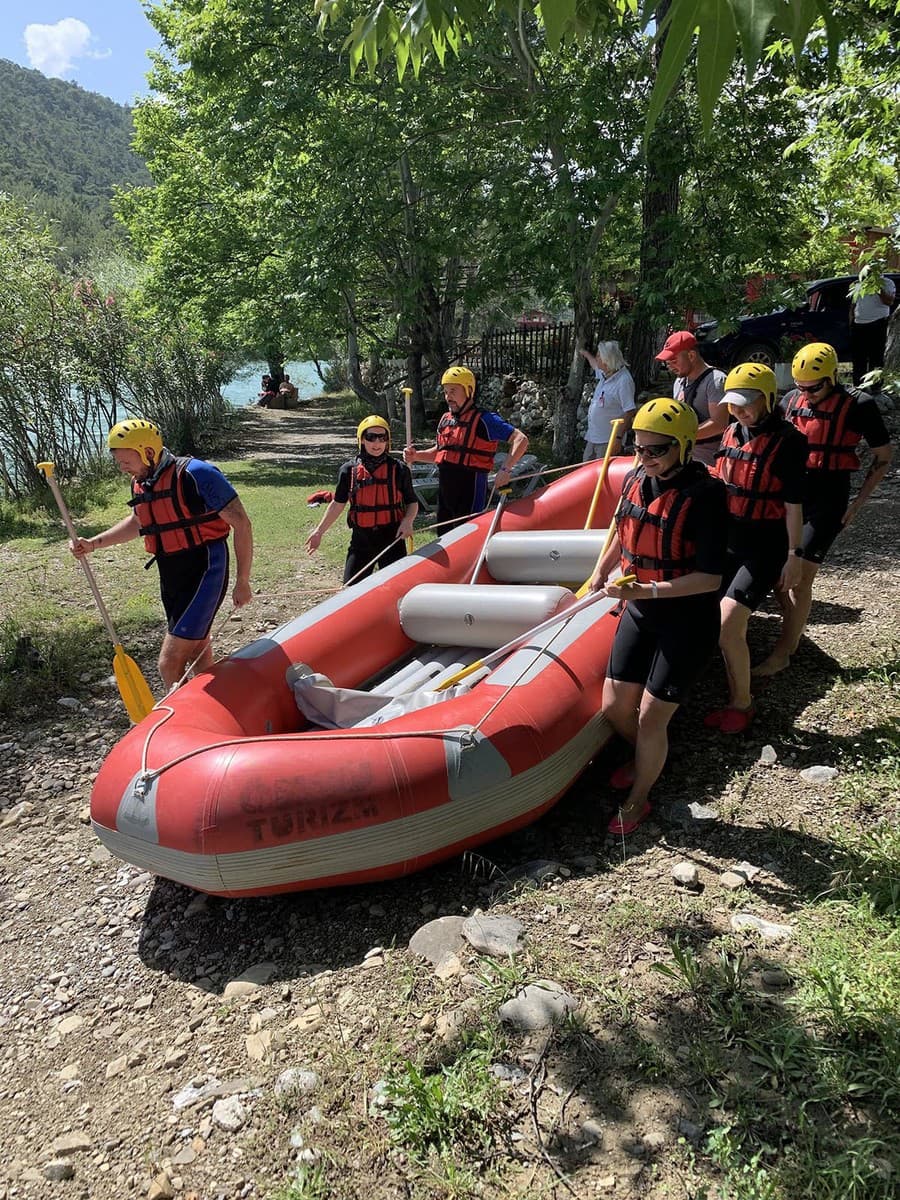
<point>497,936</point>
<point>537,1006</point>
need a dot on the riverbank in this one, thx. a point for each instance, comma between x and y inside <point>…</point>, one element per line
<point>159,1043</point>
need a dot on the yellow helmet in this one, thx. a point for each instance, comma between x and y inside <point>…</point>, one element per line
<point>136,434</point>
<point>816,361</point>
<point>461,375</point>
<point>373,422</point>
<point>673,419</point>
<point>756,377</point>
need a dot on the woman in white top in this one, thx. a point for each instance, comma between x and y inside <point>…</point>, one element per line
<point>613,400</point>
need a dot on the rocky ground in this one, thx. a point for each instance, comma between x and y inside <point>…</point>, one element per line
<point>161,1043</point>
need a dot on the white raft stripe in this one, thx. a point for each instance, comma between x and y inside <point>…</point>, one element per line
<point>376,846</point>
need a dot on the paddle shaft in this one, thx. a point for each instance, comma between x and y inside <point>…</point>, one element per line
<point>407,399</point>
<point>604,471</point>
<point>490,533</point>
<point>47,471</point>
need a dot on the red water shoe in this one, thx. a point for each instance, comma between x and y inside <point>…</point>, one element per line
<point>619,827</point>
<point>730,720</point>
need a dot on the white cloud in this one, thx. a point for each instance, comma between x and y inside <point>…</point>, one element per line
<point>53,49</point>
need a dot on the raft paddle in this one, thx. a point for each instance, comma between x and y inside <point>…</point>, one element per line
<point>516,642</point>
<point>495,520</point>
<point>133,687</point>
<point>407,398</point>
<point>604,471</point>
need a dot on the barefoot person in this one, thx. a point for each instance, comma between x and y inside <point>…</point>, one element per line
<point>762,462</point>
<point>670,533</point>
<point>833,422</point>
<point>184,508</point>
<point>383,505</point>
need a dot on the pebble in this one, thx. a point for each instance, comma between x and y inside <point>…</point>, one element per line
<point>537,1006</point>
<point>496,936</point>
<point>767,756</point>
<point>58,1169</point>
<point>229,1114</point>
<point>686,874</point>
<point>768,930</point>
<point>733,880</point>
<point>296,1080</point>
<point>818,774</point>
<point>776,979</point>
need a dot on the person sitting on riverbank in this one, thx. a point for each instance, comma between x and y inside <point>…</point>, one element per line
<point>287,393</point>
<point>268,393</point>
<point>383,504</point>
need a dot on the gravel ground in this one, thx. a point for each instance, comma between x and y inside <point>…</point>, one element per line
<point>146,1030</point>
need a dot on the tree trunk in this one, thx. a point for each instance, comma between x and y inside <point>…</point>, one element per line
<point>662,173</point>
<point>565,433</point>
<point>373,400</point>
<point>892,348</point>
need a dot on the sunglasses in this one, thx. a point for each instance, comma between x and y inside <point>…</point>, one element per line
<point>811,388</point>
<point>375,437</point>
<point>655,451</point>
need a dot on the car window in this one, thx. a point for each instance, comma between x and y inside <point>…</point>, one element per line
<point>830,298</point>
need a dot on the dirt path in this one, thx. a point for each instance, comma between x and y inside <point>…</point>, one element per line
<point>310,434</point>
<point>146,1031</point>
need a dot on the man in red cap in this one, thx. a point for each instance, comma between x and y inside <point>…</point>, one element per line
<point>701,387</point>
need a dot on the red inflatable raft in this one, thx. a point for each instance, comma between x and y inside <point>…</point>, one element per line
<point>228,788</point>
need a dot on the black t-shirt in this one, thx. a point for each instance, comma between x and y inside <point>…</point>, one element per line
<point>706,524</point>
<point>863,418</point>
<point>788,460</point>
<point>345,476</point>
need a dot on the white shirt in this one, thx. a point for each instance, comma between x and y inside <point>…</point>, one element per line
<point>613,397</point>
<point>870,308</point>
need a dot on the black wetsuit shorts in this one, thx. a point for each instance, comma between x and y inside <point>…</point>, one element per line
<point>666,645</point>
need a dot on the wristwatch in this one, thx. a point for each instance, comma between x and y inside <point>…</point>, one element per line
<point>798,552</point>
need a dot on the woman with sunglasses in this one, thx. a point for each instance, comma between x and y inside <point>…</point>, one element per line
<point>833,423</point>
<point>670,534</point>
<point>382,501</point>
<point>762,462</point>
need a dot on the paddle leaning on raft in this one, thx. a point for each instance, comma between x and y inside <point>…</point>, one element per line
<point>332,751</point>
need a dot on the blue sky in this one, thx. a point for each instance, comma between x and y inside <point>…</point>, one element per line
<point>99,44</point>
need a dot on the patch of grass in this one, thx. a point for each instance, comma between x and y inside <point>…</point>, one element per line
<point>308,1183</point>
<point>447,1112</point>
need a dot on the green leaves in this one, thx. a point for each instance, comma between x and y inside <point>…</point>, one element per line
<point>712,31</point>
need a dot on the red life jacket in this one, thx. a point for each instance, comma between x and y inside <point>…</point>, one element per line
<point>460,441</point>
<point>652,537</point>
<point>754,490</point>
<point>831,442</point>
<point>376,499</point>
<point>165,517</point>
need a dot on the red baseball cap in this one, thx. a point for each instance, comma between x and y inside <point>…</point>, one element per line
<point>675,343</point>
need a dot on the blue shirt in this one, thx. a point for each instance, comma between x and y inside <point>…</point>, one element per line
<point>212,487</point>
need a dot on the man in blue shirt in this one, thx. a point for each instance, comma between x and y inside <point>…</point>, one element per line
<point>467,439</point>
<point>184,508</point>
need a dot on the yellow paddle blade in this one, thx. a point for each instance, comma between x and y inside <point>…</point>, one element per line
<point>133,687</point>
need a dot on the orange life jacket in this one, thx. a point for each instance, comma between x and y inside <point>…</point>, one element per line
<point>831,442</point>
<point>166,520</point>
<point>652,537</point>
<point>754,490</point>
<point>376,499</point>
<point>460,441</point>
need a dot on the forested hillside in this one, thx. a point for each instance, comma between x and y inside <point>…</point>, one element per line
<point>62,152</point>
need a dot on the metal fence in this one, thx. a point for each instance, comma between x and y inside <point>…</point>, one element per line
<point>543,354</point>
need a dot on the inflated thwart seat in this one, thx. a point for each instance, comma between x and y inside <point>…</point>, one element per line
<point>545,555</point>
<point>486,616</point>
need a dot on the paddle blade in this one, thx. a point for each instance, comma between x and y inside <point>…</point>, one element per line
<point>133,687</point>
